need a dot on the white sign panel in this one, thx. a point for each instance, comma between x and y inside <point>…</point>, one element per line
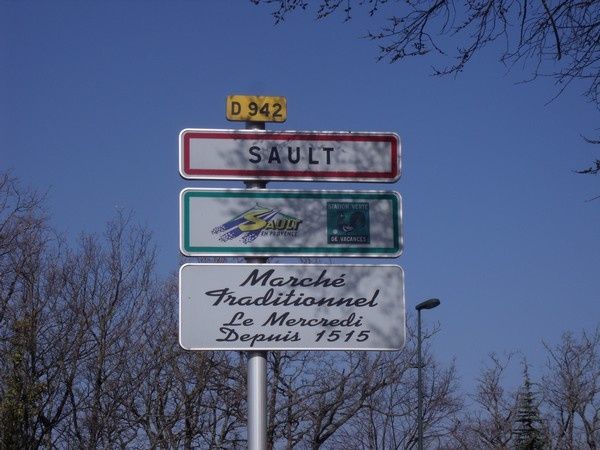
<point>291,307</point>
<point>289,155</point>
<point>264,222</point>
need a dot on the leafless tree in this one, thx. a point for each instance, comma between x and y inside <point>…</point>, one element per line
<point>23,233</point>
<point>559,38</point>
<point>89,358</point>
<point>357,399</point>
<point>553,38</point>
<point>389,418</point>
<point>110,286</point>
<point>569,406</point>
<point>287,386</point>
<point>572,390</point>
<point>36,359</point>
<point>490,425</point>
<point>182,399</point>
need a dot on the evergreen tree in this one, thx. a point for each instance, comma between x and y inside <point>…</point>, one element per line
<point>528,429</point>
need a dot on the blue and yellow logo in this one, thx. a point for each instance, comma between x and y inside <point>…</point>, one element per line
<point>258,221</point>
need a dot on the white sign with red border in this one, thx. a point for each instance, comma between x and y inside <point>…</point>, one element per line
<point>289,155</point>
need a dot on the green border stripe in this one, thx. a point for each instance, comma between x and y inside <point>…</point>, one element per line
<point>296,250</point>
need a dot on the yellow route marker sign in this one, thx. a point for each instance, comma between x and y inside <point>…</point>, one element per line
<point>253,108</point>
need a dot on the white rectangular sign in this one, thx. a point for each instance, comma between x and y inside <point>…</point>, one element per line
<point>291,307</point>
<point>289,155</point>
<point>265,222</point>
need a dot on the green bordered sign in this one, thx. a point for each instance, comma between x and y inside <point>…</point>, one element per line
<point>238,222</point>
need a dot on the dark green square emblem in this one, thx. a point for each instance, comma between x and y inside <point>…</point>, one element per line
<point>348,223</point>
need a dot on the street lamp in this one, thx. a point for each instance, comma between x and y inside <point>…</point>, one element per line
<point>427,304</point>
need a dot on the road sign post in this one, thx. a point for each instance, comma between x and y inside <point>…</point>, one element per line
<point>256,307</point>
<point>257,360</point>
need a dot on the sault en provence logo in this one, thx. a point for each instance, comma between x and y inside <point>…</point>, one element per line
<point>258,221</point>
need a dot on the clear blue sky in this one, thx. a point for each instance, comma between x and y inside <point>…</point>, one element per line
<point>93,95</point>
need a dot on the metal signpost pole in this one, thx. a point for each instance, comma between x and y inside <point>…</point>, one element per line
<point>427,304</point>
<point>351,224</point>
<point>257,400</point>
<point>257,360</point>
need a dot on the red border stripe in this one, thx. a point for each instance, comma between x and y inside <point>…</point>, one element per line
<point>283,136</point>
